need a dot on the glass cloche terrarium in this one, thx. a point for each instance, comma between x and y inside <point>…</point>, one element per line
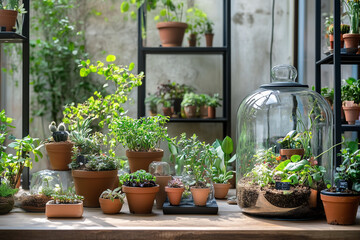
<point>284,133</point>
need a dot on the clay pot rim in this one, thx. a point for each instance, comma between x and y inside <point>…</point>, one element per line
<point>339,194</point>
<point>160,25</point>
<point>62,204</point>
<point>199,188</point>
<point>60,143</point>
<point>127,189</point>
<point>172,189</point>
<point>93,174</point>
<point>8,10</point>
<point>222,184</point>
<point>350,35</point>
<point>349,108</point>
<point>158,150</point>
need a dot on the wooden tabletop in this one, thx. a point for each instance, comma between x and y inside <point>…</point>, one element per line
<point>230,223</point>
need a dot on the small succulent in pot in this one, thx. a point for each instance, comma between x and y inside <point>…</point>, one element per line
<point>139,178</point>
<point>59,134</point>
<point>111,201</point>
<point>176,183</point>
<point>113,194</point>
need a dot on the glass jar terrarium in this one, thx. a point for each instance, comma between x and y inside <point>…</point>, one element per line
<point>283,133</point>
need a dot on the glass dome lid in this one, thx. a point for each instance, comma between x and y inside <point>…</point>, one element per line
<point>283,132</point>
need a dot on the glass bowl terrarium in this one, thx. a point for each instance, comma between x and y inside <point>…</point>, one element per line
<point>284,133</point>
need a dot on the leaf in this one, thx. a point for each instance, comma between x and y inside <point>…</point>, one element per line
<point>110,58</point>
<point>295,158</point>
<point>124,7</point>
<point>227,145</point>
<point>232,159</point>
<point>131,66</point>
<point>282,165</point>
<point>296,166</point>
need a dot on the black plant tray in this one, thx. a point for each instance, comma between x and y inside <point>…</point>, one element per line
<point>188,207</point>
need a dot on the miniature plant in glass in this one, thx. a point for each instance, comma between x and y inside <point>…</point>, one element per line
<point>59,147</point>
<point>341,202</point>
<point>174,190</point>
<point>350,96</point>
<point>212,103</point>
<point>141,137</point>
<point>65,205</point>
<point>352,39</point>
<point>111,201</point>
<point>196,20</point>
<point>161,170</point>
<point>6,198</point>
<point>9,10</point>
<point>140,189</point>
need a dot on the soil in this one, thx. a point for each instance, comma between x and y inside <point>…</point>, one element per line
<point>292,198</point>
<point>333,189</point>
<point>247,193</point>
<point>35,200</point>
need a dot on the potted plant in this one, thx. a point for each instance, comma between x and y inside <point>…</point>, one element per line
<point>291,145</point>
<point>201,103</point>
<point>153,102</point>
<point>174,190</point>
<point>111,201</point>
<point>166,107</point>
<point>341,202</point>
<point>141,137</point>
<point>140,189</point>
<point>212,103</point>
<point>352,39</point>
<point>344,29</point>
<point>189,103</point>
<point>160,170</point>
<point>209,34</point>
<point>196,19</point>
<point>350,96</point>
<point>9,10</point>
<point>65,205</point>
<point>220,172</point>
<point>6,198</point>
<point>59,147</point>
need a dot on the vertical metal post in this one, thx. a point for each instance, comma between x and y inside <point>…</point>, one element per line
<point>318,45</point>
<point>227,68</point>
<point>141,62</point>
<point>25,85</point>
<point>337,82</point>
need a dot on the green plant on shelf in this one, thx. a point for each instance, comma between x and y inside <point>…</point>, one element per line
<point>190,99</point>
<point>352,10</point>
<point>209,27</point>
<point>196,20</point>
<point>153,101</point>
<point>213,101</point>
<point>351,90</point>
<point>173,90</point>
<point>12,5</point>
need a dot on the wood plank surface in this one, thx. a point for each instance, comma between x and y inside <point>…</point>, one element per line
<point>230,223</point>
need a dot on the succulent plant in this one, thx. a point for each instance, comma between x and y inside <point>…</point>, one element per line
<point>59,133</point>
<point>176,183</point>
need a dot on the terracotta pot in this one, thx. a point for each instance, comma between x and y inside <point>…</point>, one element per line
<point>351,42</point>
<point>6,204</point>
<point>167,111</point>
<point>192,40</point>
<point>221,190</point>
<point>152,113</point>
<point>204,112</point>
<point>162,181</point>
<point>190,111</point>
<point>351,111</point>
<point>289,152</point>
<point>140,199</point>
<point>174,195</point>
<point>211,112</point>
<point>142,160</point>
<point>209,39</point>
<point>233,180</point>
<point>91,184</point>
<point>171,33</point>
<point>110,207</point>
<point>8,19</point>
<point>64,210</point>
<point>331,38</point>
<point>59,154</point>
<point>313,198</point>
<point>340,208</point>
<point>200,195</point>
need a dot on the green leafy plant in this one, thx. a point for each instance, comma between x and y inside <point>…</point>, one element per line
<point>6,190</point>
<point>5,125</point>
<point>202,99</point>
<point>190,99</point>
<point>291,140</point>
<point>139,178</point>
<point>351,90</point>
<point>45,188</point>
<point>113,194</point>
<point>220,171</point>
<point>353,9</point>
<point>176,183</point>
<point>173,90</point>
<point>67,198</point>
<point>196,20</point>
<point>213,101</point>
<point>90,162</point>
<point>142,134</point>
<point>209,27</point>
<point>12,5</point>
<point>54,57</point>
<point>153,101</point>
<point>349,170</point>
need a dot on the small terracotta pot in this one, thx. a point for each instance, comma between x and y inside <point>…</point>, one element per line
<point>313,198</point>
<point>142,160</point>
<point>162,181</point>
<point>331,38</point>
<point>8,19</point>
<point>64,210</point>
<point>171,33</point>
<point>209,39</point>
<point>351,42</point>
<point>192,40</point>
<point>340,208</point>
<point>174,195</point>
<point>140,199</point>
<point>351,111</point>
<point>59,154</point>
<point>6,204</point>
<point>204,112</point>
<point>200,195</point>
<point>91,184</point>
<point>110,207</point>
<point>289,152</point>
<point>233,180</point>
<point>152,113</point>
<point>211,112</point>
<point>190,111</point>
<point>167,111</point>
<point>221,190</point>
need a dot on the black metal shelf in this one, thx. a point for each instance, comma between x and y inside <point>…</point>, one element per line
<point>350,128</point>
<point>344,59</point>
<point>225,51</point>
<point>11,37</point>
<point>184,50</point>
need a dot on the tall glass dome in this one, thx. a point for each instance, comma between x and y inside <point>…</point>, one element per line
<point>283,132</point>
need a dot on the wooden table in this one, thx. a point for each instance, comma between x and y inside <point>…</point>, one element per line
<point>230,223</point>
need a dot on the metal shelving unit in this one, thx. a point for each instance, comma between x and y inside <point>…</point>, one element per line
<point>225,51</point>
<point>23,38</point>
<point>337,59</point>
